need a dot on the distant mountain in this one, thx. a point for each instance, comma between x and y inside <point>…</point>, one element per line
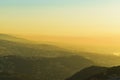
<point>10,45</point>
<point>97,73</point>
<point>12,38</point>
<point>38,61</point>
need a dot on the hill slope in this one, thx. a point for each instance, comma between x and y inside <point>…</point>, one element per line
<point>38,61</point>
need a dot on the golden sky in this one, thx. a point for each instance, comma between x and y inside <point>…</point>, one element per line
<point>60,17</point>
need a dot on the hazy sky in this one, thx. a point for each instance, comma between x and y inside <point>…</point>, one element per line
<point>60,17</point>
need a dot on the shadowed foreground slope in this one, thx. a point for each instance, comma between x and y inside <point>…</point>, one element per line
<point>97,73</point>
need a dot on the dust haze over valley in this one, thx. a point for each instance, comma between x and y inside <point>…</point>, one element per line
<point>99,44</point>
<point>103,51</point>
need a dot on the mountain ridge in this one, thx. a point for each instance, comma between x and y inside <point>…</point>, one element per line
<point>13,38</point>
<point>97,73</point>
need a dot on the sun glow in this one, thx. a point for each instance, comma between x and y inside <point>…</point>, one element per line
<point>116,53</point>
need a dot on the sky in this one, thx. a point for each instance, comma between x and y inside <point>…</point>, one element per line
<point>60,17</point>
